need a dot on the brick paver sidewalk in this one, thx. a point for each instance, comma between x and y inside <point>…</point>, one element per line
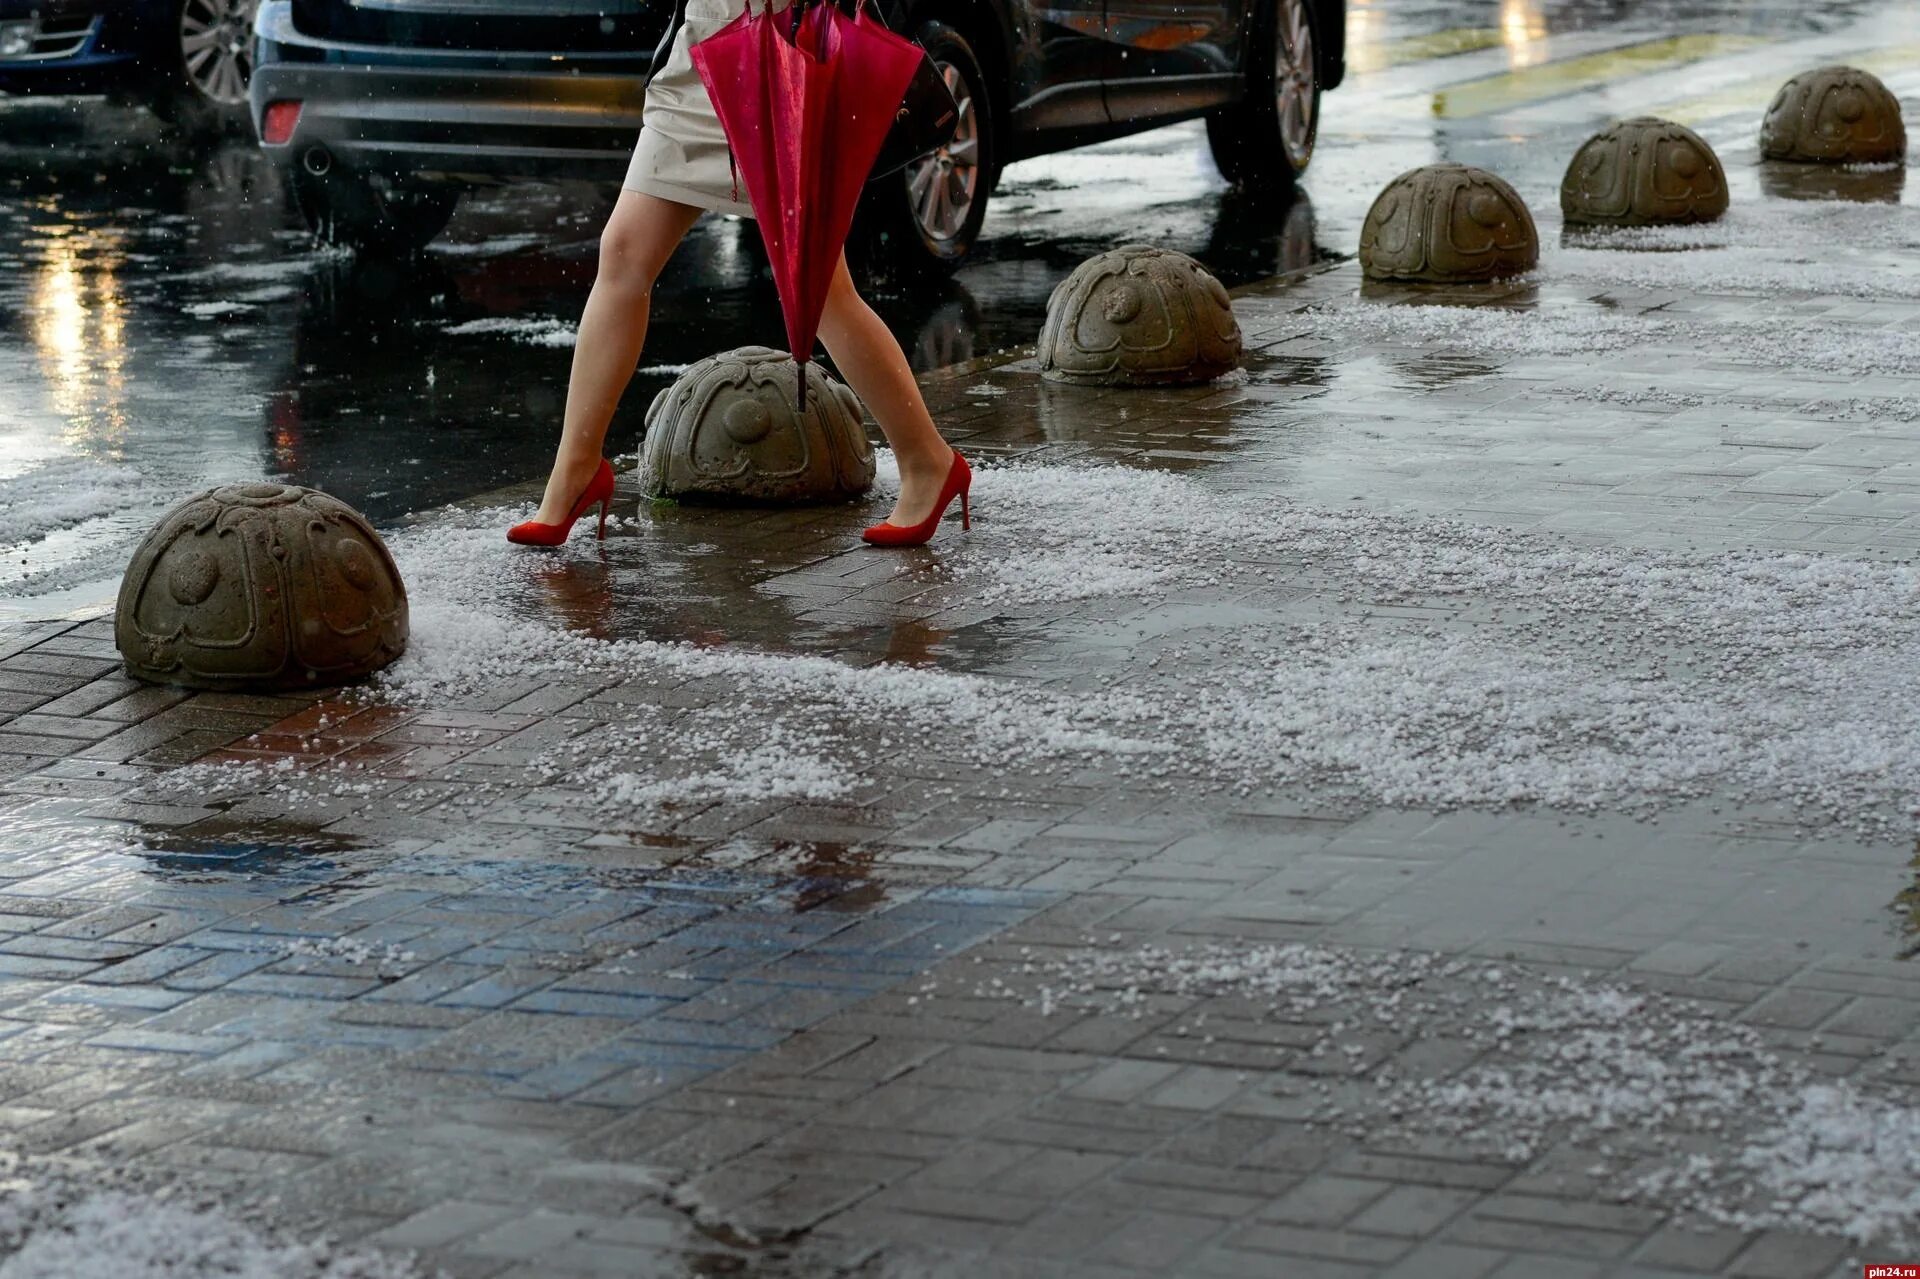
<point>971,1019</point>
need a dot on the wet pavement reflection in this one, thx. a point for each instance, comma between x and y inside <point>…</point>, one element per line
<point>166,321</point>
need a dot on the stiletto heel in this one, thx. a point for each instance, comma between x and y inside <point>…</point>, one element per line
<point>959,483</point>
<point>599,490</point>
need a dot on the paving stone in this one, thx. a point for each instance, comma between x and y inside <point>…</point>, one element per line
<point>1450,1261</point>
<point>1326,1200</point>
<point>1795,1008</point>
<point>1778,1254</point>
<point>1331,1245</point>
<point>1692,1249</point>
<point>1538,1266</point>
<point>1412,1211</point>
<point>440,1225</point>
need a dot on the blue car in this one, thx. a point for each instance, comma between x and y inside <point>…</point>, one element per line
<point>191,59</point>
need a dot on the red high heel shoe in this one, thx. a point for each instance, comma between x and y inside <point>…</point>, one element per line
<point>959,483</point>
<point>599,489</point>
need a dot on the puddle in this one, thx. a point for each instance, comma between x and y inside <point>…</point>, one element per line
<point>242,848</point>
<point>1906,909</point>
<point>1866,184</point>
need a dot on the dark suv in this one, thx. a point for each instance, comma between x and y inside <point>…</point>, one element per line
<point>385,110</point>
<point>186,58</point>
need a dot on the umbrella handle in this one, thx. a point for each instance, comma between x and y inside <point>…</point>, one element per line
<point>796,14</point>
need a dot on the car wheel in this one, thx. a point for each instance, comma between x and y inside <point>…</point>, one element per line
<point>205,61</point>
<point>345,209</point>
<point>1266,139</point>
<point>926,218</point>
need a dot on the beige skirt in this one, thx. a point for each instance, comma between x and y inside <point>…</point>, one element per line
<point>682,153</point>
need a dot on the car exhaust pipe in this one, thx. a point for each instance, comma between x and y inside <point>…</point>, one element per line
<point>317,161</point>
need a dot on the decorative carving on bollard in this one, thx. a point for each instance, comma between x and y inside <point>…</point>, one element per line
<point>262,587</point>
<point>1644,172</point>
<point>727,428</point>
<point>1835,115</point>
<point>1139,316</point>
<point>1448,224</point>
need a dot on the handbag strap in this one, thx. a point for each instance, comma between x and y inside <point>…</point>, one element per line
<point>664,49</point>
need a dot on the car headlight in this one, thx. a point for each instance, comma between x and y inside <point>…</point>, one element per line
<point>16,38</point>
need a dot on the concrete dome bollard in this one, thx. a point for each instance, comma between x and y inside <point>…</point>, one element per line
<point>1448,224</point>
<point>727,428</point>
<point>1643,172</point>
<point>262,587</point>
<point>1835,115</point>
<point>1139,316</point>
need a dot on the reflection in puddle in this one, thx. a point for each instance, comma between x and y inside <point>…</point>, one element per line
<point>1906,908</point>
<point>835,877</point>
<point>79,329</point>
<point>315,864</point>
<point>802,874</point>
<point>579,594</point>
<point>242,849</point>
<point>1523,29</point>
<point>99,851</point>
<point>1864,184</point>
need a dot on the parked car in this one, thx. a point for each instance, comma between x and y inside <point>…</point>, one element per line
<point>384,111</point>
<point>190,59</point>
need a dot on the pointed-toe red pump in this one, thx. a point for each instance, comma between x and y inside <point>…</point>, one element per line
<point>599,489</point>
<point>959,483</point>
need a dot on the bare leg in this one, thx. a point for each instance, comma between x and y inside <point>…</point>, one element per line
<point>869,357</point>
<point>641,234</point>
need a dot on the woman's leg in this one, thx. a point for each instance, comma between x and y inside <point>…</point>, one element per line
<point>641,234</point>
<point>870,359</point>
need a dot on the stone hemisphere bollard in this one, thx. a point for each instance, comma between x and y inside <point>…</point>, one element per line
<point>1644,172</point>
<point>727,428</point>
<point>1835,115</point>
<point>1139,316</point>
<point>263,587</point>
<point>1448,224</point>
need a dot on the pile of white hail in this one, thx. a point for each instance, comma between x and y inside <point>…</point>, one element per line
<point>1863,250</point>
<point>383,956</point>
<point>1199,636</point>
<point>1521,669</point>
<point>62,1224</point>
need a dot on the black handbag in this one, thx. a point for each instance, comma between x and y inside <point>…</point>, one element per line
<point>928,117</point>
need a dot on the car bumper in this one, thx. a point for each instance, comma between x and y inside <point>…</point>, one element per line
<point>448,116</point>
<point>73,47</point>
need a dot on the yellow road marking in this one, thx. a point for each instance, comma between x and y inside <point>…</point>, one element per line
<point>1364,56</point>
<point>1753,95</point>
<point>1893,61</point>
<point>1552,79</point>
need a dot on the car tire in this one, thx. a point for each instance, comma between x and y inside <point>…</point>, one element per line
<point>1266,139</point>
<point>344,209</point>
<point>202,65</point>
<point>924,220</point>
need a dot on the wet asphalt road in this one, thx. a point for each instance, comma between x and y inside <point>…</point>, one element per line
<point>165,323</point>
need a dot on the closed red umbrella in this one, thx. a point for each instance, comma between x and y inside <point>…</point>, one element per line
<point>806,99</point>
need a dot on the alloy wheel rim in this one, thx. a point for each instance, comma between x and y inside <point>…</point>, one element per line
<point>216,48</point>
<point>1293,81</point>
<point>943,186</point>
